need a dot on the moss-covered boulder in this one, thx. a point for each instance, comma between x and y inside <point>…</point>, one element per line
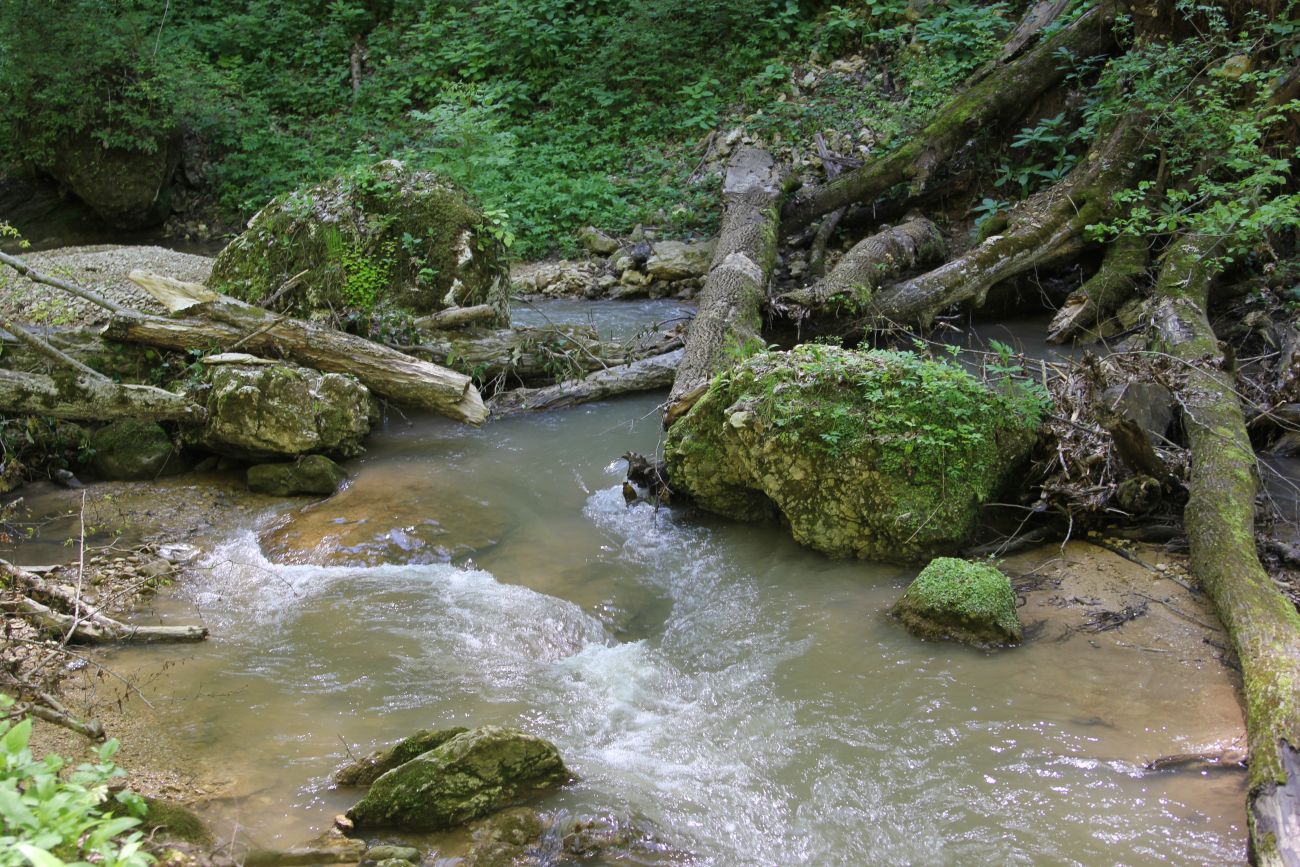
<point>962,601</point>
<point>134,451</point>
<point>311,474</point>
<point>471,775</point>
<point>365,771</point>
<point>384,236</point>
<point>260,412</point>
<point>129,188</point>
<point>165,820</point>
<point>879,455</point>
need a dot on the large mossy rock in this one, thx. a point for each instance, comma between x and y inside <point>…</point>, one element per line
<point>471,775</point>
<point>134,451</point>
<point>128,188</point>
<point>365,771</point>
<point>386,236</point>
<point>962,601</point>
<point>879,455</point>
<point>260,412</point>
<point>310,474</point>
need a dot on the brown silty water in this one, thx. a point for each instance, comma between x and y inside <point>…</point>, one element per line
<point>746,699</point>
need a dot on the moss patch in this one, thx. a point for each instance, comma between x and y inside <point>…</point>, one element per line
<point>879,455</point>
<point>382,236</point>
<point>365,771</point>
<point>963,601</point>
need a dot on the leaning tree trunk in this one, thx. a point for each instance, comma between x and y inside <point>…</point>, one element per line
<point>1000,96</point>
<point>1220,519</point>
<point>1047,227</point>
<point>729,322</point>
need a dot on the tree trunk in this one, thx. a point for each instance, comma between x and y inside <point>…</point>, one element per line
<point>728,325</point>
<point>647,374</point>
<point>870,263</point>
<point>1105,292</point>
<point>1045,228</point>
<point>72,395</point>
<point>997,98</point>
<point>457,317</point>
<point>1220,520</point>
<point>395,375</point>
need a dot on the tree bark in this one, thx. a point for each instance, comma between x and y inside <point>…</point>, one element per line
<point>457,317</point>
<point>1220,519</point>
<point>869,264</point>
<point>647,374</point>
<point>385,371</point>
<point>998,97</point>
<point>77,396</point>
<point>1105,292</point>
<point>729,321</point>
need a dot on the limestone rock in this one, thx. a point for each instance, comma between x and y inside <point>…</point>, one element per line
<point>473,774</point>
<point>365,771</point>
<point>257,412</point>
<point>311,474</point>
<point>384,853</point>
<point>676,260</point>
<point>126,187</point>
<point>134,451</point>
<point>565,278</point>
<point>385,235</point>
<point>878,455</point>
<point>962,601</point>
<point>595,241</point>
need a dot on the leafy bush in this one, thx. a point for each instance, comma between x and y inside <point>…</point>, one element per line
<point>49,820</point>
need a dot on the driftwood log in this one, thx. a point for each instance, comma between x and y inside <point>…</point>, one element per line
<point>228,323</point>
<point>729,322</point>
<point>647,374</point>
<point>1263,625</point>
<point>72,395</point>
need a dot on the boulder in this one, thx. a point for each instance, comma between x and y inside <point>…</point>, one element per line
<point>879,455</point>
<point>389,852</point>
<point>134,451</point>
<point>676,260</point>
<point>259,412</point>
<point>593,240</point>
<point>566,278</point>
<point>384,236</point>
<point>312,474</point>
<point>473,774</point>
<point>962,601</point>
<point>365,771</point>
<point>127,188</point>
<point>503,840</point>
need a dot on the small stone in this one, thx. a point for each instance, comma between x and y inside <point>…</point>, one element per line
<point>313,474</point>
<point>343,823</point>
<point>596,241</point>
<point>398,854</point>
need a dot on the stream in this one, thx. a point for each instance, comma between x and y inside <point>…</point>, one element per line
<point>744,699</point>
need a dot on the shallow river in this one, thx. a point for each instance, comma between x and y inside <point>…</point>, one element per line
<point>744,698</point>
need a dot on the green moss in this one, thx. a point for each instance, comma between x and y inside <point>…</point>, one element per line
<point>381,236</point>
<point>365,771</point>
<point>167,820</point>
<point>880,455</point>
<point>134,451</point>
<point>963,601</point>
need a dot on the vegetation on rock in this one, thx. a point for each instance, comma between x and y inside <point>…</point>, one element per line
<point>962,601</point>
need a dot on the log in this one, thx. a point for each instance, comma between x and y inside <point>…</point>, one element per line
<point>1105,292</point>
<point>647,374</point>
<point>85,398</point>
<point>458,317</point>
<point>997,98</point>
<point>728,324</point>
<point>1263,625</point>
<point>49,351</point>
<point>1046,228</point>
<point>385,371</point>
<point>867,265</point>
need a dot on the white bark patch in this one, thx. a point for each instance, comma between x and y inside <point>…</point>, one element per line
<point>742,264</point>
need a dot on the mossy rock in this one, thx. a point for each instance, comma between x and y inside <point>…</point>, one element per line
<point>365,771</point>
<point>962,601</point>
<point>383,236</point>
<point>166,820</point>
<point>129,188</point>
<point>312,474</point>
<point>256,412</point>
<point>134,451</point>
<point>471,775</point>
<point>879,455</point>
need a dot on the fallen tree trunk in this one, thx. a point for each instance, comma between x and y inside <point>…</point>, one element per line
<point>1001,95</point>
<point>458,317</point>
<point>729,321</point>
<point>866,266</point>
<point>1220,519</point>
<point>1047,227</point>
<point>1105,292</point>
<point>385,371</point>
<point>647,374</point>
<point>86,398</point>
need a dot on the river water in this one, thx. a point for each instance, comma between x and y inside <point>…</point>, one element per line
<point>744,699</point>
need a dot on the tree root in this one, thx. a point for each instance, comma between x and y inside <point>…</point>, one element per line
<point>1105,292</point>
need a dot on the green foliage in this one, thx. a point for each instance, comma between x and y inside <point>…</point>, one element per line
<point>50,820</point>
<point>366,275</point>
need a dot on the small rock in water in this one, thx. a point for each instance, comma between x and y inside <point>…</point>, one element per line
<point>962,601</point>
<point>178,553</point>
<point>66,479</point>
<point>399,854</point>
<point>313,474</point>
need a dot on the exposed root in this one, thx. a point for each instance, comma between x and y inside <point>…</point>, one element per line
<point>1105,292</point>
